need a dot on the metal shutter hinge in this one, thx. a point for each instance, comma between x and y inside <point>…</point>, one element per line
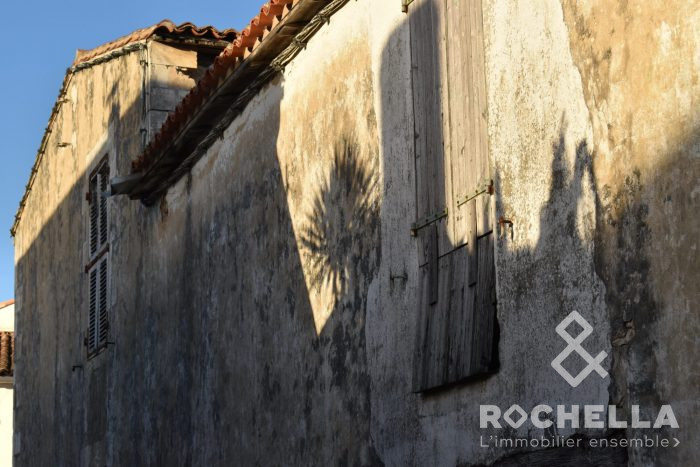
<point>426,221</point>
<point>484,186</point>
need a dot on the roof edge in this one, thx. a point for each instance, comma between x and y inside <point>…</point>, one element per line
<point>40,152</point>
<point>79,65</point>
<point>224,92</point>
<point>162,27</point>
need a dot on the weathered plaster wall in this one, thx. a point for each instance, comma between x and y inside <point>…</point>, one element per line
<point>101,108</point>
<point>241,319</point>
<point>593,133</point>
<point>545,270</point>
<point>640,65</point>
<point>61,397</point>
<point>265,310</point>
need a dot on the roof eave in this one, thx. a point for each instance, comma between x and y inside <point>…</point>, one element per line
<point>230,98</point>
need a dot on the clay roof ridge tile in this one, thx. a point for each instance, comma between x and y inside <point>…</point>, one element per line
<point>164,26</point>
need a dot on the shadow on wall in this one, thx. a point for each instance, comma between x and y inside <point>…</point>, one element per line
<point>341,222</point>
<point>623,247</point>
<point>559,248</point>
<point>579,219</point>
<point>216,357</point>
<point>52,294</point>
<point>217,347</point>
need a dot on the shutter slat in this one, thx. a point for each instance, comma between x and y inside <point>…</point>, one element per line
<point>461,299</point>
<point>92,312</point>
<point>103,312</point>
<point>104,181</point>
<point>484,344</point>
<point>461,111</point>
<point>432,265</point>
<point>479,116</point>
<point>473,270</point>
<point>94,215</point>
<point>457,334</point>
<point>98,315</point>
<point>427,56</point>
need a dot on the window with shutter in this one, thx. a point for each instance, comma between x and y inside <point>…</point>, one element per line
<point>457,329</point>
<point>92,319</point>
<point>98,264</point>
<point>94,216</point>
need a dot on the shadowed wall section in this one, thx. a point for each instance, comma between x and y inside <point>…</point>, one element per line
<point>264,310</point>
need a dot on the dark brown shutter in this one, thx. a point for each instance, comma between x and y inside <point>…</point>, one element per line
<point>104,181</point>
<point>92,312</point>
<point>104,322</point>
<point>97,268</point>
<point>94,214</point>
<point>457,329</point>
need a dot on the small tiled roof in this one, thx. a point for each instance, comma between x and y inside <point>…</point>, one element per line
<point>250,38</point>
<point>271,40</point>
<point>85,58</point>
<point>7,303</point>
<point>165,27</point>
<point>7,353</point>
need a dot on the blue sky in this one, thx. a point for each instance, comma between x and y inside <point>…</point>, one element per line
<point>40,39</point>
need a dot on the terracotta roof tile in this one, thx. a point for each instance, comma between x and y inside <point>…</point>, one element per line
<point>7,303</point>
<point>248,40</point>
<point>165,27</point>
<point>7,353</point>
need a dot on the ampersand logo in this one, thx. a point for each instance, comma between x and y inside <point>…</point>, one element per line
<point>574,345</point>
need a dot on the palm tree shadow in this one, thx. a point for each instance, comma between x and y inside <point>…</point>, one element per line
<point>342,222</point>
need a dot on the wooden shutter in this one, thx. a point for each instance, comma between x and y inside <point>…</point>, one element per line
<point>92,312</point>
<point>94,215</point>
<point>98,313</point>
<point>103,316</point>
<point>97,267</point>
<point>457,329</point>
<point>104,182</point>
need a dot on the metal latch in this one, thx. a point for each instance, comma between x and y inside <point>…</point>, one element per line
<point>404,5</point>
<point>484,186</point>
<point>426,221</point>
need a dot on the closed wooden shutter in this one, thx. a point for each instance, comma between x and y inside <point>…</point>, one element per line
<point>94,215</point>
<point>457,329</point>
<point>99,183</point>
<point>103,176</point>
<point>98,312</point>
<point>92,314</point>
<point>98,264</point>
<point>103,316</point>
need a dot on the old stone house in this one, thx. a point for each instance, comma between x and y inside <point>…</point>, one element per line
<point>335,236</point>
